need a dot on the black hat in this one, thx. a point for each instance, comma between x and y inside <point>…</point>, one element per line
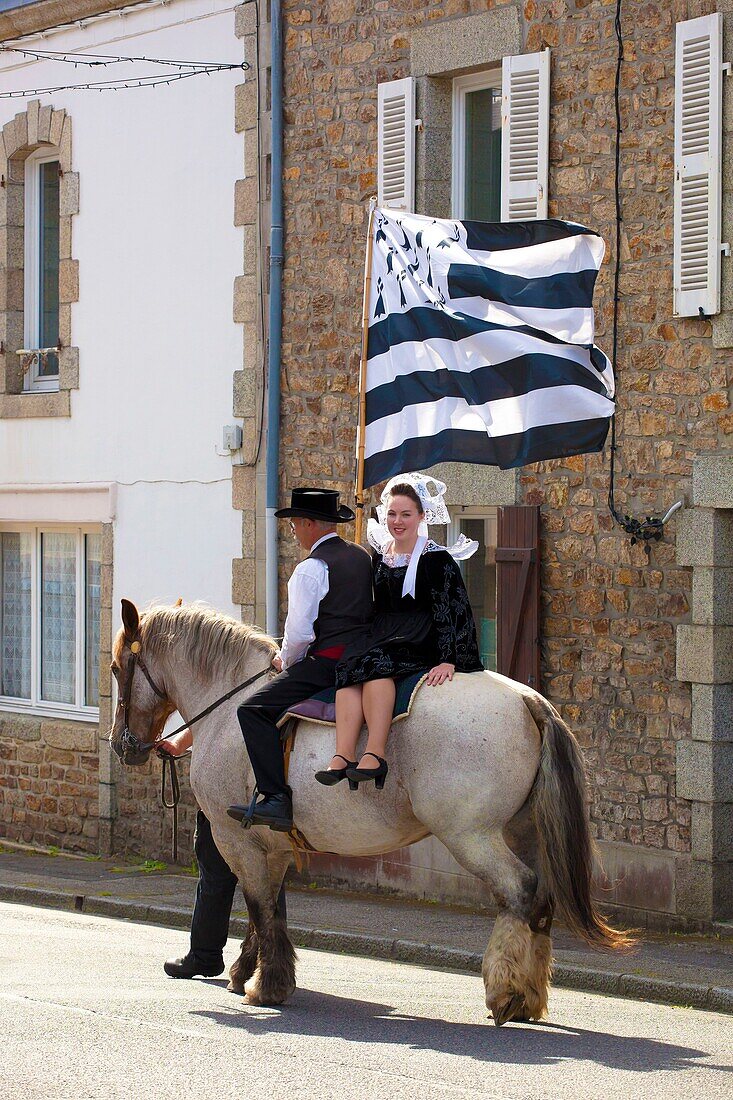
<point>320,504</point>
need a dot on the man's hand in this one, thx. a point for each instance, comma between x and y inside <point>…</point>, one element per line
<point>440,674</point>
<point>175,746</point>
<point>277,663</point>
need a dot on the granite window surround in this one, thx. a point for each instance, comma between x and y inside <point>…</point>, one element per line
<point>38,127</point>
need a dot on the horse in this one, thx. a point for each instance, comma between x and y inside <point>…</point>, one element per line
<point>483,763</point>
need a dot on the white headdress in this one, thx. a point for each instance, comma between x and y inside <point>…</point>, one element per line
<point>435,511</point>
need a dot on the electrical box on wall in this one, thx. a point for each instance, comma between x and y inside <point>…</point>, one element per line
<point>232,437</point>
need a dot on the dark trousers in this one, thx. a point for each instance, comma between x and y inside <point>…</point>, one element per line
<point>214,897</point>
<point>258,717</point>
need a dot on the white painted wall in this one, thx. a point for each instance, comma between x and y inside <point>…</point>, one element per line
<point>158,254</point>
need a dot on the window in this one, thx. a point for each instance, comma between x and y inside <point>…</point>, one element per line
<point>477,146</point>
<point>41,301</point>
<point>49,620</point>
<point>479,574</point>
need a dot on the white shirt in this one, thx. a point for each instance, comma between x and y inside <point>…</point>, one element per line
<point>306,588</point>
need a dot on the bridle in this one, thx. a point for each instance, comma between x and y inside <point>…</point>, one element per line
<point>131,745</point>
<point>129,742</point>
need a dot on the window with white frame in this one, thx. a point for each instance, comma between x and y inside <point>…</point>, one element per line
<point>49,619</point>
<point>477,146</point>
<point>479,574</point>
<point>41,300</point>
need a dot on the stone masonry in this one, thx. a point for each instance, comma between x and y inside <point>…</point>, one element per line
<point>610,612</point>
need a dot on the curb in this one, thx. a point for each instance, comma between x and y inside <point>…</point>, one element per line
<point>566,975</point>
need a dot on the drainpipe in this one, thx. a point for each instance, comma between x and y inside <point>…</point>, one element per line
<point>275,321</point>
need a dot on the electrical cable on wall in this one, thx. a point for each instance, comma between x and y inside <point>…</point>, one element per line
<point>185,69</point>
<point>652,527</point>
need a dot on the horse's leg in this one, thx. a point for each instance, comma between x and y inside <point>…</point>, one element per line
<point>511,972</point>
<point>244,967</point>
<point>273,979</point>
<point>521,836</point>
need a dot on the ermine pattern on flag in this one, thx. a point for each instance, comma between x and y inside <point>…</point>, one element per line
<point>480,344</point>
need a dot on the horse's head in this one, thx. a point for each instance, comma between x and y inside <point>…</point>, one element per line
<point>142,703</point>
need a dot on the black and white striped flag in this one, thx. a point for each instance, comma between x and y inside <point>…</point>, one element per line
<point>480,344</point>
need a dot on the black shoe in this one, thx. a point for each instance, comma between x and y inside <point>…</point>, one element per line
<point>274,810</point>
<point>190,967</point>
<point>331,776</point>
<point>362,775</point>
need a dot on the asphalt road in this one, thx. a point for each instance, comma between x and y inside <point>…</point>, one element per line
<point>87,1012</point>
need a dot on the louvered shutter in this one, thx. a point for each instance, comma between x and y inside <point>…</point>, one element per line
<point>697,154</point>
<point>525,136</point>
<point>518,594</point>
<point>396,144</point>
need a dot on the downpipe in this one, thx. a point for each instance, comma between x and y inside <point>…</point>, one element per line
<point>272,468</point>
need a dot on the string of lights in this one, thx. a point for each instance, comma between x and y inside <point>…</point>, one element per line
<point>185,69</point>
<point>76,58</point>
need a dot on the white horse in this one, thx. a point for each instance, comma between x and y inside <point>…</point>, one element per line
<point>483,763</point>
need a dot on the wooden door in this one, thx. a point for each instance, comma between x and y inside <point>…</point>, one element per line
<point>518,594</point>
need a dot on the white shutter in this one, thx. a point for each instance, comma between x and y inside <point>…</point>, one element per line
<point>525,136</point>
<point>697,149</point>
<point>396,144</point>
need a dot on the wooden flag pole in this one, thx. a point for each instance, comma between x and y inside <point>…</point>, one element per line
<point>361,430</point>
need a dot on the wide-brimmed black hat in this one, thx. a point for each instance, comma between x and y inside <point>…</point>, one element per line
<point>320,504</point>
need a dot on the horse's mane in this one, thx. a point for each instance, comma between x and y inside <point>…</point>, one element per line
<point>212,643</point>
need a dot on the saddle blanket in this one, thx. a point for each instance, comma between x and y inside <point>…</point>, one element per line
<point>322,707</point>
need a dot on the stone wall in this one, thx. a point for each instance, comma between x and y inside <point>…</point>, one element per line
<point>142,826</point>
<point>610,612</point>
<point>48,782</point>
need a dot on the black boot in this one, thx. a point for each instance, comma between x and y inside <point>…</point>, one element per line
<point>190,967</point>
<point>274,810</point>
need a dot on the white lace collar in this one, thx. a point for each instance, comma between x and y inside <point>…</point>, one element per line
<point>395,561</point>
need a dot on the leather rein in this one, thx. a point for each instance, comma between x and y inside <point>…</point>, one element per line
<point>129,742</point>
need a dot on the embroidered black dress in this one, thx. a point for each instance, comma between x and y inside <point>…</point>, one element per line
<point>413,635</point>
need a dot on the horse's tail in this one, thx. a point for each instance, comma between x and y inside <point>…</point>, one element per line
<point>561,818</point>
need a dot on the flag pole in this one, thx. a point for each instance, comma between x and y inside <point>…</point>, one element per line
<point>361,430</point>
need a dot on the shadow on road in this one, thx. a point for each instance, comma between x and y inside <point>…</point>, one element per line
<point>312,1013</point>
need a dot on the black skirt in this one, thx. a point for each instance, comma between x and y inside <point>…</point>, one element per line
<point>397,643</point>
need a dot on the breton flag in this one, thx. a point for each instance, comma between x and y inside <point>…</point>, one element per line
<point>480,344</point>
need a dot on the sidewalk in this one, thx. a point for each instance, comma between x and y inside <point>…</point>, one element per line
<point>684,970</point>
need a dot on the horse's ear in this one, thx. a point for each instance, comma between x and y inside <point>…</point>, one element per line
<point>178,602</point>
<point>130,619</point>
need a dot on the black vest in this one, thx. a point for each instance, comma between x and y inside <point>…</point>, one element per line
<point>348,606</point>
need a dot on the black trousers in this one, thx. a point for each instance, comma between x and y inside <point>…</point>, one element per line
<point>258,716</point>
<point>214,897</point>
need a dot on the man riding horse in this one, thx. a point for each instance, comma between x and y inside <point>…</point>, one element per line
<point>329,605</point>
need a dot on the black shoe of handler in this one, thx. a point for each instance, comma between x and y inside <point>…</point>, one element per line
<point>190,967</point>
<point>274,810</point>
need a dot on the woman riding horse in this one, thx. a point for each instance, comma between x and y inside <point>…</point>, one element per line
<point>423,623</point>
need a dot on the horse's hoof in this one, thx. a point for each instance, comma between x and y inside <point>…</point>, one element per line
<point>236,987</point>
<point>252,990</point>
<point>512,1009</point>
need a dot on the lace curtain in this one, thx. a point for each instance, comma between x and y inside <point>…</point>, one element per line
<point>92,572</point>
<point>15,615</point>
<point>58,617</point>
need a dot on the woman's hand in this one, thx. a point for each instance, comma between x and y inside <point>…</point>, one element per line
<point>277,663</point>
<point>440,674</point>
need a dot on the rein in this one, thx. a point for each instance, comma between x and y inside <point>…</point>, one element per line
<point>132,743</point>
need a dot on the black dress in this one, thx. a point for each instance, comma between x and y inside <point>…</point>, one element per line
<point>413,635</point>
